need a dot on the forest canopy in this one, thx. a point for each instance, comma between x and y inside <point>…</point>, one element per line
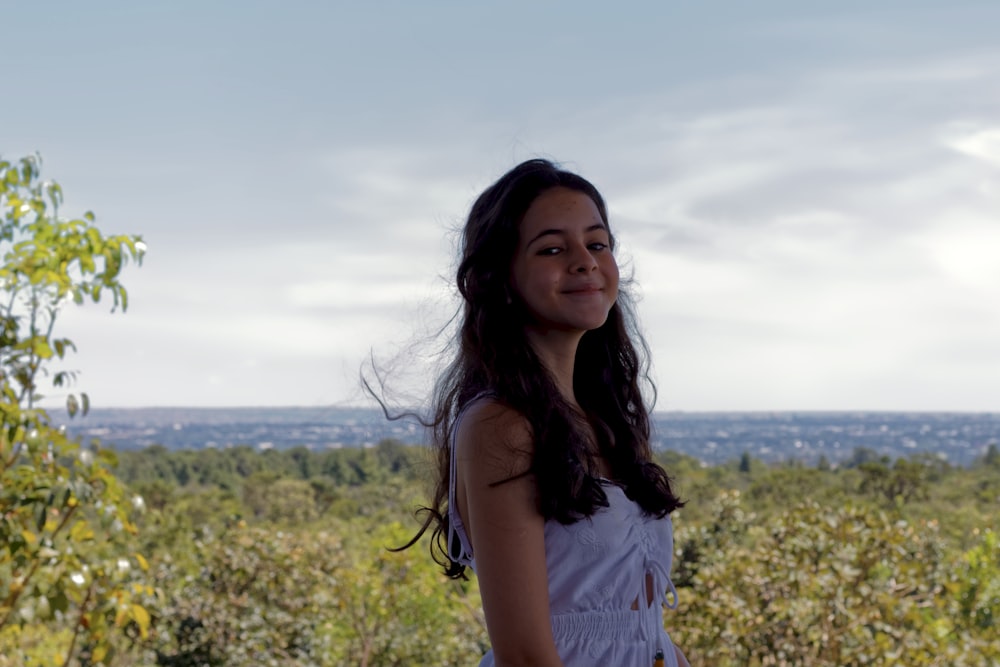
<point>882,562</point>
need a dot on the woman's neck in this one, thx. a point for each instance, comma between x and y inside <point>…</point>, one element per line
<point>557,352</point>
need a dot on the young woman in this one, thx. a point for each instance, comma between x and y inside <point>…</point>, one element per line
<point>547,487</point>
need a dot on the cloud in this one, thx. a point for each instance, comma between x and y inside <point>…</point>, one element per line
<point>965,248</point>
<point>393,197</point>
<point>983,144</point>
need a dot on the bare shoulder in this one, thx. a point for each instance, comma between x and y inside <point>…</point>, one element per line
<point>496,439</point>
<point>499,509</point>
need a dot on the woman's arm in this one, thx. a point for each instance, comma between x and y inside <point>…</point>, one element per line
<point>507,534</point>
<point>681,660</point>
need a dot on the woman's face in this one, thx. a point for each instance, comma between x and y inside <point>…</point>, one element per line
<point>563,269</point>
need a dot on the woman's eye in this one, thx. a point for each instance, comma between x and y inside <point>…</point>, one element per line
<point>550,251</point>
<point>598,246</point>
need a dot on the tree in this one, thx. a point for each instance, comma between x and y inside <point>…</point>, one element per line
<point>290,502</point>
<point>745,463</point>
<point>992,456</point>
<point>905,481</point>
<point>862,455</point>
<point>65,520</point>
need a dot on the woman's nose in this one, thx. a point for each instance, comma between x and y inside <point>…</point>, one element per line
<point>582,261</point>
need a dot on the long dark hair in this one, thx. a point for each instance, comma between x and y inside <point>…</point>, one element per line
<point>493,356</point>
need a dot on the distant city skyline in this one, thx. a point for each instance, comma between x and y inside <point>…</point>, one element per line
<point>713,438</point>
<point>806,193</point>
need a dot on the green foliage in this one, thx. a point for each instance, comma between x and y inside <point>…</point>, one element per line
<point>256,597</point>
<point>279,557</point>
<point>287,502</point>
<point>329,596</point>
<point>396,609</point>
<point>699,545</point>
<point>47,260</point>
<point>992,456</point>
<point>786,565</point>
<point>66,522</point>
<point>902,482</point>
<point>839,586</point>
<point>745,462</point>
<point>978,585</point>
<point>232,468</point>
<point>774,486</point>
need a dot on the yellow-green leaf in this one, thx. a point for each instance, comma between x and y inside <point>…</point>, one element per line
<point>121,615</point>
<point>80,532</point>
<point>42,348</point>
<point>141,617</point>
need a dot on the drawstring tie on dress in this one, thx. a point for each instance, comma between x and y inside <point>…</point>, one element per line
<point>666,595</point>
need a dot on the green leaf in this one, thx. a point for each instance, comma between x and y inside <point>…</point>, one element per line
<point>58,601</point>
<point>42,349</point>
<point>55,194</point>
<point>81,532</point>
<point>72,405</point>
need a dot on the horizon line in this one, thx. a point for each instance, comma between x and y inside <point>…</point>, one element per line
<point>655,411</point>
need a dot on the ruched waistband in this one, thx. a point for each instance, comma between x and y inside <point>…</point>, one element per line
<point>627,625</point>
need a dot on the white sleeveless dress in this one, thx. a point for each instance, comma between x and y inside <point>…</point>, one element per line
<point>597,569</point>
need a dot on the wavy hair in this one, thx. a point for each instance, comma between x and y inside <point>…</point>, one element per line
<point>493,355</point>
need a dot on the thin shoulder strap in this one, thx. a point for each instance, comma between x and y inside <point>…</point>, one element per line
<point>459,548</point>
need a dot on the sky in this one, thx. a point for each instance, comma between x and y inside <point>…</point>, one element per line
<point>806,194</point>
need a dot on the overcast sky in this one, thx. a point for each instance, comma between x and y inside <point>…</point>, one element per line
<point>808,194</point>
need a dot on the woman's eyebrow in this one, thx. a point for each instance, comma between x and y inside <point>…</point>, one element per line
<point>562,232</point>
